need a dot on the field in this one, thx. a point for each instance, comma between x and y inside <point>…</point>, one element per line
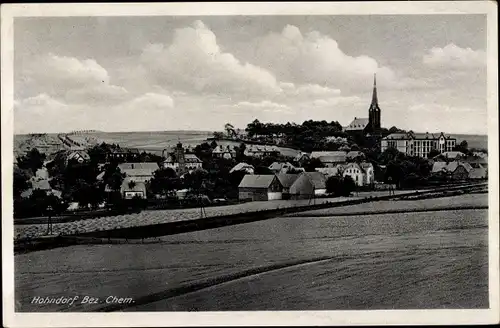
<point>394,261</point>
<point>155,142</point>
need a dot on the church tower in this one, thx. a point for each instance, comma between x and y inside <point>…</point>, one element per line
<point>374,110</point>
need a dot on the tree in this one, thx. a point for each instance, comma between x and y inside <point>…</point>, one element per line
<point>113,177</point>
<point>229,130</point>
<point>462,147</point>
<point>334,185</point>
<point>218,135</point>
<point>132,184</point>
<point>348,185</point>
<point>164,181</point>
<point>264,170</point>
<point>313,163</point>
<point>21,181</point>
<point>33,160</point>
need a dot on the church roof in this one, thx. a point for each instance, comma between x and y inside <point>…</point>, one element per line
<point>357,124</point>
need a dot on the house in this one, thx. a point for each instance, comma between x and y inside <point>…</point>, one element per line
<point>330,158</point>
<point>337,170</point>
<point>287,181</point>
<point>139,172</point>
<point>131,188</point>
<point>191,162</point>
<point>224,152</point>
<point>261,151</point>
<point>480,154</point>
<point>418,144</point>
<point>478,172</point>
<point>260,187</point>
<point>362,174</point>
<point>80,156</point>
<point>249,169</point>
<point>449,155</point>
<point>40,181</point>
<point>454,170</point>
<point>301,158</point>
<point>308,185</point>
<point>123,155</point>
<point>283,167</point>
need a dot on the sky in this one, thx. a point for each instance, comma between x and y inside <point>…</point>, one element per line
<point>158,73</point>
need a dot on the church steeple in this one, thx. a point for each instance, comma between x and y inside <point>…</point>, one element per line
<point>374,110</point>
<point>374,95</point>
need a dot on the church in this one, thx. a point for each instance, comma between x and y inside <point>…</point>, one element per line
<point>367,126</point>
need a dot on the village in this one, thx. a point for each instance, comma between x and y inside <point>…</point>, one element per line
<point>73,172</point>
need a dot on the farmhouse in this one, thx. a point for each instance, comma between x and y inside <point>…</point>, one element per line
<point>308,185</point>
<point>260,187</point>
<point>287,181</point>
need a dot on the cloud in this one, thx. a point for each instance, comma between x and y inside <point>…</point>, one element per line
<point>41,113</point>
<point>438,108</point>
<point>454,57</point>
<point>195,61</point>
<point>308,90</point>
<point>264,105</point>
<point>315,58</point>
<point>74,80</point>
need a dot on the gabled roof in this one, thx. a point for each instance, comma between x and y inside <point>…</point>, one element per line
<point>330,156</point>
<point>220,149</point>
<point>191,158</point>
<point>138,169</point>
<point>357,124</point>
<point>286,179</point>
<point>317,179</point>
<point>256,181</point>
<point>451,154</point>
<point>450,167</point>
<point>278,166</point>
<point>241,166</point>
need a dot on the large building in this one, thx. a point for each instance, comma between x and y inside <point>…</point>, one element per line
<point>418,144</point>
<point>372,124</point>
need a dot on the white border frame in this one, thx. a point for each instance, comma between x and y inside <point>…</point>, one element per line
<point>254,318</point>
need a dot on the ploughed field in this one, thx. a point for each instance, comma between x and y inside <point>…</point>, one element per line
<point>393,261</point>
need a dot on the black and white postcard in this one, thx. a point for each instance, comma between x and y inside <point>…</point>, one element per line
<point>201,164</point>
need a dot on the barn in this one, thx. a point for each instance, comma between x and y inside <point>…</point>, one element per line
<point>287,181</point>
<point>308,185</point>
<point>260,187</point>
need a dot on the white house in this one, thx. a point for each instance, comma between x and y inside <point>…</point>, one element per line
<point>362,174</point>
